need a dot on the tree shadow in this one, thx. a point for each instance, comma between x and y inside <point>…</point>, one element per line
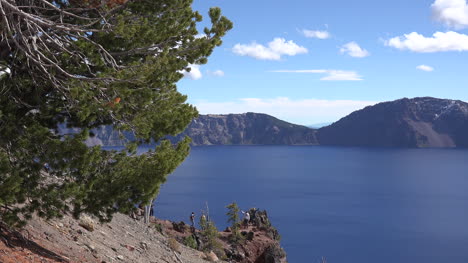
<point>14,239</point>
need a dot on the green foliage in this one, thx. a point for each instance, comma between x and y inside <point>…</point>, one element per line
<point>203,223</point>
<point>158,227</point>
<point>151,42</point>
<point>233,218</point>
<point>275,233</point>
<point>233,213</point>
<point>190,241</point>
<point>210,235</point>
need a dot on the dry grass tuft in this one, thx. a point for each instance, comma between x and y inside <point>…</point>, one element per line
<point>173,244</point>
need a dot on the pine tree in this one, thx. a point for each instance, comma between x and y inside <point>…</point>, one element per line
<point>233,218</point>
<point>85,64</point>
<point>210,234</point>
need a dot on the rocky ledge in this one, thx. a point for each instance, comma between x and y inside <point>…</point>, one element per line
<point>130,240</point>
<point>260,241</point>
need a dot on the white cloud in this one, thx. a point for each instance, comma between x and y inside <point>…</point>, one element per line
<point>330,74</point>
<point>453,13</point>
<point>439,42</point>
<point>354,50</point>
<point>425,68</point>
<point>274,50</point>
<point>216,73</point>
<point>202,35</point>
<point>316,34</point>
<point>194,73</point>
<point>303,111</point>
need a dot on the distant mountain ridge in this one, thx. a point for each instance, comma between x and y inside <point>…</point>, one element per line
<point>417,122</point>
<point>247,129</point>
<point>230,129</point>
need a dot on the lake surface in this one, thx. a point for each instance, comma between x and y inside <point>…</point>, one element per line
<point>346,204</point>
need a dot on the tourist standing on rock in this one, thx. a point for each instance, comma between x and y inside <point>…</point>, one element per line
<point>246,218</point>
<point>192,219</point>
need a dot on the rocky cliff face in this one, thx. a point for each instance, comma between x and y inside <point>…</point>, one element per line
<point>231,129</point>
<point>418,122</point>
<point>103,135</point>
<point>248,128</point>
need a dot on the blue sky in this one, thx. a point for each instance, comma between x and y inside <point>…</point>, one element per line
<point>309,62</point>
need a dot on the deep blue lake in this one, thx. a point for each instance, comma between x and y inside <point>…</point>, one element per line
<point>346,204</point>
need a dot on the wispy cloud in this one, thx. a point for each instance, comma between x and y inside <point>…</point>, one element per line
<point>330,74</point>
<point>216,73</point>
<point>453,13</point>
<point>439,42</point>
<point>354,50</point>
<point>273,51</point>
<point>194,73</point>
<point>316,34</point>
<point>304,111</point>
<point>425,68</point>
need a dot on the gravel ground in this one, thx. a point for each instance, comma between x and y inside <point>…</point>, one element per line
<point>122,240</point>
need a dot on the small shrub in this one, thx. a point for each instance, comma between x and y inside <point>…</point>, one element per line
<point>158,227</point>
<point>190,241</point>
<point>203,223</point>
<point>236,237</point>
<point>219,251</point>
<point>210,235</point>
<point>276,235</point>
<point>174,245</point>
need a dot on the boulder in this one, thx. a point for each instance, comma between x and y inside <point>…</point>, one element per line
<point>235,254</point>
<point>273,254</point>
<point>87,223</point>
<point>180,227</point>
<point>211,257</point>
<point>250,236</point>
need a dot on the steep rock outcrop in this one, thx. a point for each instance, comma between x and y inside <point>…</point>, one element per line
<point>260,243</point>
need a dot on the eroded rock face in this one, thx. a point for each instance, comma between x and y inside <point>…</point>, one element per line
<point>247,129</point>
<point>231,129</point>
<point>418,122</point>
